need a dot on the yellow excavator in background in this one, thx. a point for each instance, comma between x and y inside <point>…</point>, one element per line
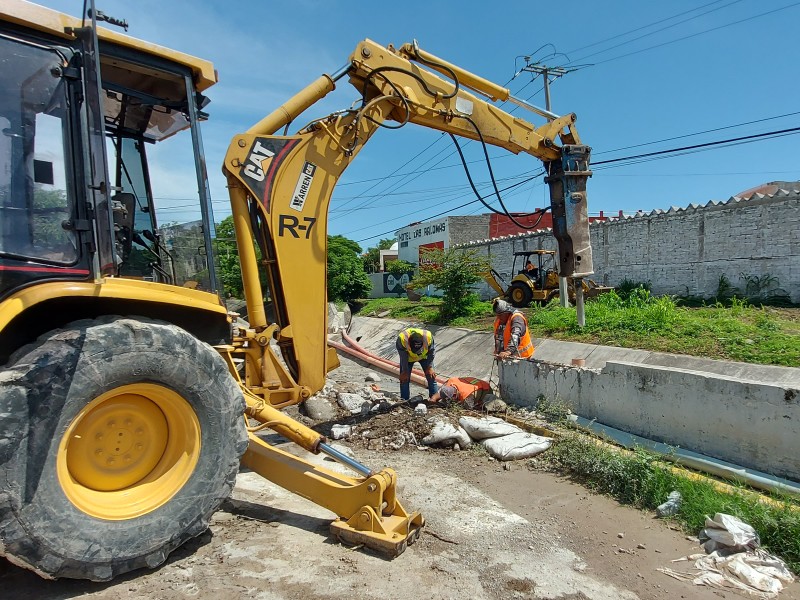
<point>537,281</point>
<point>123,389</point>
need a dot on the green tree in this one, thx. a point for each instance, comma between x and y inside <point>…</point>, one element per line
<point>399,267</point>
<point>346,277</point>
<point>452,271</point>
<point>227,254</point>
<point>372,257</point>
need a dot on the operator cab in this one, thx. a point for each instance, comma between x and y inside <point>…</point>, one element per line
<point>535,265</point>
<point>78,148</point>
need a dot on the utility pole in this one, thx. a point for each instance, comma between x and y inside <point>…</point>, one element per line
<point>546,72</point>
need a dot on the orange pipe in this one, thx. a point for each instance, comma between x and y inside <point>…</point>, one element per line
<point>375,362</point>
<point>361,350</point>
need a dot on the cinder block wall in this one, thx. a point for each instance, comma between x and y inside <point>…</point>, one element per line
<point>684,251</point>
<point>467,228</point>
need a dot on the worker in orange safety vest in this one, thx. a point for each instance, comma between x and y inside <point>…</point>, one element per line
<point>416,345</point>
<point>468,391</point>
<point>511,336</point>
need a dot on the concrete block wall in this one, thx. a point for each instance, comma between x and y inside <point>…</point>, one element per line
<point>684,251</point>
<point>467,228</point>
<point>748,423</point>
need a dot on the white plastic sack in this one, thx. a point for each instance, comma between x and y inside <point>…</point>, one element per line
<point>755,572</point>
<point>481,428</point>
<point>516,446</point>
<point>727,532</point>
<point>444,431</point>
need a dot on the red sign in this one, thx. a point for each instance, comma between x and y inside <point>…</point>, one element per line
<point>424,249</point>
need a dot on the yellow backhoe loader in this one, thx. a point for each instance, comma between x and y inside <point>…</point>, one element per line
<point>535,279</point>
<point>129,396</point>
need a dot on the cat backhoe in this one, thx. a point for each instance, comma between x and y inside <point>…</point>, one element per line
<point>129,395</point>
<point>535,279</point>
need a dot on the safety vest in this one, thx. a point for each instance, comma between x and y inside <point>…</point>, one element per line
<point>427,340</point>
<point>469,388</point>
<point>525,347</point>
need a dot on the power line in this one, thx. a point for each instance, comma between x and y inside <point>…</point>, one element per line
<point>446,211</point>
<point>695,146</point>
<point>619,35</point>
<point>617,162</point>
<point>686,37</point>
<point>678,137</point>
<point>659,30</point>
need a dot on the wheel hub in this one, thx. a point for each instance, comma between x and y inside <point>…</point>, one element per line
<point>129,451</point>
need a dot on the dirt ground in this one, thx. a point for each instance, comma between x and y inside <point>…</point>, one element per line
<point>492,532</point>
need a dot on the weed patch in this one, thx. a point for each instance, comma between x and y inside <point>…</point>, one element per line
<point>644,480</point>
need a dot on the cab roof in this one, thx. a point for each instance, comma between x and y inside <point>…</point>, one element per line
<point>54,23</point>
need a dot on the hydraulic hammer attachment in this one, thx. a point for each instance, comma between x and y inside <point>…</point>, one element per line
<point>567,180</point>
<point>367,507</point>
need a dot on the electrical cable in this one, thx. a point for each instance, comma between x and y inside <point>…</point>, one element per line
<point>657,30</point>
<point>443,212</point>
<point>644,26</point>
<point>705,145</point>
<point>611,163</point>
<point>686,37</point>
<point>678,137</point>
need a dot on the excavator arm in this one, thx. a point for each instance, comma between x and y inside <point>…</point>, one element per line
<point>280,188</point>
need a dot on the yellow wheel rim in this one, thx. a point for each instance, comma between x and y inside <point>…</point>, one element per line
<point>129,451</point>
<point>517,295</point>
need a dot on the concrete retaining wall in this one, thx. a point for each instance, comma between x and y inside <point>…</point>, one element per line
<point>754,424</point>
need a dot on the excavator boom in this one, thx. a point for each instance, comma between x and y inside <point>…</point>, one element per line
<point>280,188</point>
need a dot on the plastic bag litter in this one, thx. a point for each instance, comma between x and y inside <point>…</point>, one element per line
<point>444,431</point>
<point>671,506</point>
<point>487,427</point>
<point>725,532</point>
<point>756,572</point>
<point>516,446</point>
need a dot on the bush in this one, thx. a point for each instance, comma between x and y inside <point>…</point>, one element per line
<point>452,271</point>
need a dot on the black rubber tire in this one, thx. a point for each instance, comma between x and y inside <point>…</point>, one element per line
<point>43,389</point>
<point>519,295</point>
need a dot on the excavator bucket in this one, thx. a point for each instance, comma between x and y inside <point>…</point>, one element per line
<point>387,534</point>
<point>368,511</point>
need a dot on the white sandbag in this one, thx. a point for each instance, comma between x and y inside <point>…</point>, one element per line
<point>481,428</point>
<point>444,431</point>
<point>516,446</point>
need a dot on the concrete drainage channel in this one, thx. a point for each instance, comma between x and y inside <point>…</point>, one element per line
<point>735,420</point>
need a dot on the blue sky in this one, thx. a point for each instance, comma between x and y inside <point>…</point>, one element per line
<point>653,71</point>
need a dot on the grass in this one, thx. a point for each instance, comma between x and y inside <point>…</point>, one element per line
<point>644,480</point>
<point>734,331</point>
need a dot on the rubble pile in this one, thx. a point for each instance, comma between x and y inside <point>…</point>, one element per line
<point>362,414</point>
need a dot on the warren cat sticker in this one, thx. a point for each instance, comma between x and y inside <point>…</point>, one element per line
<point>303,185</point>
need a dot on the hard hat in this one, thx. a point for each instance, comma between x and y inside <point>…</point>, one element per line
<point>500,306</point>
<point>415,341</point>
<point>448,392</point>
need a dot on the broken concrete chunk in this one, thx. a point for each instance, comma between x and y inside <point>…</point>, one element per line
<point>420,409</point>
<point>487,427</point>
<point>494,404</point>
<point>353,402</point>
<point>372,377</point>
<point>320,408</point>
<point>339,432</point>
